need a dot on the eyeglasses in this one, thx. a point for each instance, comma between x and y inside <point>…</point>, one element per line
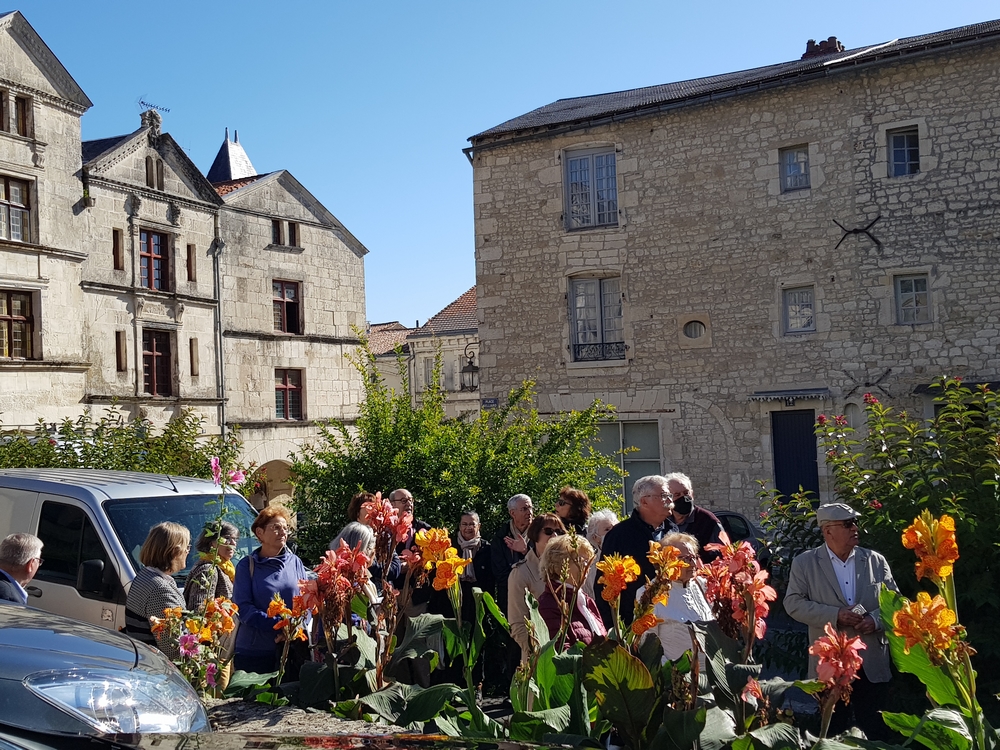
<point>661,495</point>
<point>687,558</point>
<point>560,503</point>
<point>851,523</point>
<point>40,561</point>
<point>549,531</point>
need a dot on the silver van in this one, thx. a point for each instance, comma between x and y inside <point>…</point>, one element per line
<point>93,524</point>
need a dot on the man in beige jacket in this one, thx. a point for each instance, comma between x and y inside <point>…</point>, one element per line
<point>839,583</point>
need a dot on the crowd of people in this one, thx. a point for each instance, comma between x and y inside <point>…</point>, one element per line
<point>551,556</point>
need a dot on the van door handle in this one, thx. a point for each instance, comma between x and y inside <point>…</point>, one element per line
<point>34,591</point>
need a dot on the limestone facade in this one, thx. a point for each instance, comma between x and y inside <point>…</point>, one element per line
<point>128,281</point>
<point>706,253</point>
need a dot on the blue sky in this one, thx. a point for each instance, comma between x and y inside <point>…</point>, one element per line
<point>369,104</point>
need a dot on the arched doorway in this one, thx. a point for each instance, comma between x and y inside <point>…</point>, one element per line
<point>277,487</point>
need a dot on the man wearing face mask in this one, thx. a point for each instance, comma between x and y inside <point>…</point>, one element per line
<point>691,519</point>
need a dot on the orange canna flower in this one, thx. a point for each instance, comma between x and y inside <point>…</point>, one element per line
<point>641,624</point>
<point>934,542</point>
<point>667,560</point>
<point>448,570</point>
<point>157,625</point>
<point>618,573</point>
<point>434,545</point>
<point>929,623</point>
<point>277,607</point>
<point>839,660</point>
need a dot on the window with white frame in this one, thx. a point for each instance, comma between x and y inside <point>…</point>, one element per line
<point>591,188</point>
<point>798,310</point>
<point>794,168</point>
<point>913,299</point>
<point>904,152</point>
<point>641,440</point>
<point>597,329</point>
<point>15,218</point>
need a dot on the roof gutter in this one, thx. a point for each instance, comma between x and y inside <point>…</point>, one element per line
<point>848,63</point>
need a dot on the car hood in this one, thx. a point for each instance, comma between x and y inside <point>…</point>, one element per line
<point>32,640</point>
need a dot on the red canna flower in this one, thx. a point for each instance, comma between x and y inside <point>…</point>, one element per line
<point>839,659</point>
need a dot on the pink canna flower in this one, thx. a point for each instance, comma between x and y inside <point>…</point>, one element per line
<point>309,591</point>
<point>753,690</point>
<point>380,514</point>
<point>839,659</point>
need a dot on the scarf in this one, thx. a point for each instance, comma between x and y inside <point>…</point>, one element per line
<point>226,566</point>
<point>469,549</point>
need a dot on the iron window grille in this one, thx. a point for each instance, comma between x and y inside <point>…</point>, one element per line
<point>799,310</point>
<point>597,325</point>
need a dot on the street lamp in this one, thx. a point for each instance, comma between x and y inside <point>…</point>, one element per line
<point>470,372</point>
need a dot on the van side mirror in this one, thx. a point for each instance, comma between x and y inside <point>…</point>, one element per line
<point>90,576</point>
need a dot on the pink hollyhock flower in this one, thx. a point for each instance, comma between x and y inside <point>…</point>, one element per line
<point>839,658</point>
<point>188,645</point>
<point>216,470</point>
<point>236,478</point>
<point>210,672</point>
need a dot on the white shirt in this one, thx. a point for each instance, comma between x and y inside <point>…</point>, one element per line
<point>844,570</point>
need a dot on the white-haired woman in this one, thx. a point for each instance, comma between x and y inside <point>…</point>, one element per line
<point>598,525</point>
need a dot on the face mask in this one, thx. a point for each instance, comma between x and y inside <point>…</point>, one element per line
<point>683,505</point>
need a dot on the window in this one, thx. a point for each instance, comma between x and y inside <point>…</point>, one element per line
<point>118,249</point>
<point>193,356</point>
<point>70,538</point>
<point>159,174</point>
<point>913,302</point>
<point>277,236</point>
<point>192,263</point>
<point>293,234</point>
<point>15,222</point>
<point>285,302</point>
<point>794,168</point>
<point>121,352</point>
<point>798,310</point>
<point>156,379</point>
<point>904,152</point>
<point>150,173</point>
<point>644,458</point>
<point>597,331</point>
<point>153,259</point>
<point>288,394</point>
<point>591,189</point>
<point>16,324</point>
<point>428,371</point>
<point>22,115</point>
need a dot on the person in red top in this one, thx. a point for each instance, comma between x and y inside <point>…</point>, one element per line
<point>564,566</point>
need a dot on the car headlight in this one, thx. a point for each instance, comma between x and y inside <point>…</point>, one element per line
<point>122,702</point>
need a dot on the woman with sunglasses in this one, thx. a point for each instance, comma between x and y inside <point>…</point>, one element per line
<point>214,573</point>
<point>573,507</point>
<point>526,576</point>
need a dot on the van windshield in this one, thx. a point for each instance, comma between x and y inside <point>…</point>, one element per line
<point>132,520</point>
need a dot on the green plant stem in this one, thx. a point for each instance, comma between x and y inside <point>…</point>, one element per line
<point>950,595</point>
<point>284,659</point>
<point>828,706</point>
<point>975,711</point>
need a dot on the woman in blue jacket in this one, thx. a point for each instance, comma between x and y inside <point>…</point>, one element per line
<point>271,568</point>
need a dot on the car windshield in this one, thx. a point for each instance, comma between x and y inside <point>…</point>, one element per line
<point>132,519</point>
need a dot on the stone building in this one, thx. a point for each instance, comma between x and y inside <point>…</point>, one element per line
<point>454,332</point>
<point>724,258</point>
<point>128,280</point>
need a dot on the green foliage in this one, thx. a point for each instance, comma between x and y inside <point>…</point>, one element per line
<point>448,464</point>
<point>902,464</point>
<point>117,444</point>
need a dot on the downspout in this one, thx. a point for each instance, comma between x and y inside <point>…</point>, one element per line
<point>220,367</point>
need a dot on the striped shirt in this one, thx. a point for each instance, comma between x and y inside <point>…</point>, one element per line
<point>152,592</point>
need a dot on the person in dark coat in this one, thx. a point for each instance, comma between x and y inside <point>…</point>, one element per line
<point>692,519</point>
<point>649,522</point>
<point>573,507</point>
<point>510,544</point>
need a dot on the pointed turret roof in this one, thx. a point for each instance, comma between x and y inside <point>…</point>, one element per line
<point>232,162</point>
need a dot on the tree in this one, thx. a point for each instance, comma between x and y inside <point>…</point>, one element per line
<point>114,443</point>
<point>448,464</point>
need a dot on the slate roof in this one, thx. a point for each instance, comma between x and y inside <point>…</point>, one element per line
<point>92,149</point>
<point>231,163</point>
<point>459,316</point>
<point>584,109</point>
<point>384,337</point>
<point>229,186</point>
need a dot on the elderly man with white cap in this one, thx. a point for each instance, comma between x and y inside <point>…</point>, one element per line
<point>839,583</point>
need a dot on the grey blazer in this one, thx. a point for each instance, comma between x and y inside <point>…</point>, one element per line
<point>814,598</point>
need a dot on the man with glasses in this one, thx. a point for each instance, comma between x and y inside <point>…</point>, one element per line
<point>649,522</point>
<point>839,583</point>
<point>20,559</point>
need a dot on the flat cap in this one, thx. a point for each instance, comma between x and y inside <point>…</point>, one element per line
<point>835,512</point>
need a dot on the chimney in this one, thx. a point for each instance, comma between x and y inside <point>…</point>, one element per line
<point>826,47</point>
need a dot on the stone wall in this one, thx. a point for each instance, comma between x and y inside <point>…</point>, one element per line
<point>706,234</point>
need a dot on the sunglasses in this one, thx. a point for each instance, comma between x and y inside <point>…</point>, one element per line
<point>553,532</point>
<point>850,524</point>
